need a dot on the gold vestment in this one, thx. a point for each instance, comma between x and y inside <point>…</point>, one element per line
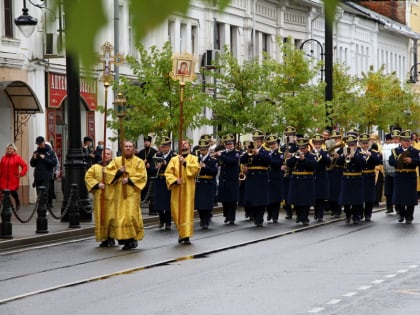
<point>182,211</point>
<point>128,222</point>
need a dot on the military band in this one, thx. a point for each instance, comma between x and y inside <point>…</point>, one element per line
<point>299,174</point>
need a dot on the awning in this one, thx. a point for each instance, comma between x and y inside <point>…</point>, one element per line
<point>21,96</point>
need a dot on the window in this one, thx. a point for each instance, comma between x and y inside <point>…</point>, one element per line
<point>8,19</point>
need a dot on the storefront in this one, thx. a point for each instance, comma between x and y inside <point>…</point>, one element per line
<point>57,120</point>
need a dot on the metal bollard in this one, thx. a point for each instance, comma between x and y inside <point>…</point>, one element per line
<point>41,220</point>
<point>74,213</point>
<point>6,214</point>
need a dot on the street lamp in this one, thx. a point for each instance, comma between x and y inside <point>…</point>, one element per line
<point>414,73</point>
<point>25,22</point>
<point>312,53</point>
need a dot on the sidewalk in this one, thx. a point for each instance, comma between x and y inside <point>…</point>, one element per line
<point>24,234</point>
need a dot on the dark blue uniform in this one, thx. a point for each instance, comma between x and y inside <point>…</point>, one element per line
<point>204,189</point>
<point>275,185</point>
<point>369,186</point>
<point>228,191</point>
<point>256,184</point>
<point>287,148</point>
<point>321,181</point>
<point>162,195</point>
<point>351,194</point>
<point>335,174</point>
<point>301,186</point>
<point>405,182</point>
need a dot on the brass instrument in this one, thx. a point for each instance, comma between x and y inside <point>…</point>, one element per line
<point>400,161</point>
<point>156,161</point>
<point>334,149</point>
<point>349,153</point>
<point>242,175</point>
<point>297,154</point>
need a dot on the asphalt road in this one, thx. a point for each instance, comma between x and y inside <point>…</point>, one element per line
<point>330,268</point>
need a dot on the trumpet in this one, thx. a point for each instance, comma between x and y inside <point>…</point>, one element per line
<point>297,154</point>
<point>242,175</point>
<point>349,153</point>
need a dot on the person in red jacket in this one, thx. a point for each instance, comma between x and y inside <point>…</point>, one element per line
<point>12,168</point>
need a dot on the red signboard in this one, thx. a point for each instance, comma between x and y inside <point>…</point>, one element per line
<point>57,90</point>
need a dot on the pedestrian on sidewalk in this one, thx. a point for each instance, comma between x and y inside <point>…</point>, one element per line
<point>103,200</point>
<point>12,168</point>
<point>44,161</point>
<point>127,175</point>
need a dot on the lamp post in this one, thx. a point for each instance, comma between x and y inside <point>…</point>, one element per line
<point>312,51</point>
<point>25,22</point>
<point>75,166</point>
<point>414,73</point>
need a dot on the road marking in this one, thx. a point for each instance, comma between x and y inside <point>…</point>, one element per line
<point>316,310</point>
<point>350,294</point>
<point>413,292</point>
<point>377,281</point>
<point>413,266</point>
<point>402,270</point>
<point>333,301</point>
<point>391,276</point>
<point>364,287</point>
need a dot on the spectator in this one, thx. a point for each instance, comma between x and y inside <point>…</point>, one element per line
<point>12,167</point>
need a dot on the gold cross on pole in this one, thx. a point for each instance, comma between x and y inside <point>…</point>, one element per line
<point>107,59</point>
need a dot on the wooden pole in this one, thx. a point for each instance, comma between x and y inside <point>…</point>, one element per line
<point>181,123</point>
<point>106,84</point>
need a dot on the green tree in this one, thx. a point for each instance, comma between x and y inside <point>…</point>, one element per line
<point>153,97</point>
<point>289,84</point>
<point>344,109</point>
<point>242,104</point>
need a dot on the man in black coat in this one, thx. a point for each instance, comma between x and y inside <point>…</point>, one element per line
<point>44,161</point>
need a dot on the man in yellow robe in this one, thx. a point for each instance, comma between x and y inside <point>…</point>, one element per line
<point>103,200</point>
<point>127,175</point>
<point>180,177</point>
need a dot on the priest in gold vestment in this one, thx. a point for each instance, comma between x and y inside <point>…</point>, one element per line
<point>127,175</point>
<point>103,200</point>
<point>182,188</point>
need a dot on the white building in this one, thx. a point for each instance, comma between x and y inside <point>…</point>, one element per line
<point>361,38</point>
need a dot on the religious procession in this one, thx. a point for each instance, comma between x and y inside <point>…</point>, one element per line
<point>327,174</point>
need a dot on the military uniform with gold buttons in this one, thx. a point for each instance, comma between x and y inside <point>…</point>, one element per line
<point>351,195</point>
<point>162,195</point>
<point>256,161</point>
<point>228,191</point>
<point>289,147</point>
<point>321,179</point>
<point>405,159</point>
<point>373,158</point>
<point>301,186</point>
<point>275,192</point>
<point>205,184</point>
<point>335,173</point>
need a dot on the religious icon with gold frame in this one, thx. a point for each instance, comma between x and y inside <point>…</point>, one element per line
<point>183,67</point>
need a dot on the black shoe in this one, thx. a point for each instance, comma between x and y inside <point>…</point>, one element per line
<point>389,210</point>
<point>305,222</point>
<point>367,219</point>
<point>275,221</point>
<point>130,244</point>
<point>231,222</point>
<point>297,220</point>
<point>226,220</point>
<point>347,220</point>
<point>320,220</point>
<point>167,227</point>
<point>288,217</point>
<point>104,244</point>
<point>269,218</point>
<point>184,241</point>
<point>408,221</point>
<point>400,218</point>
<point>160,225</point>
